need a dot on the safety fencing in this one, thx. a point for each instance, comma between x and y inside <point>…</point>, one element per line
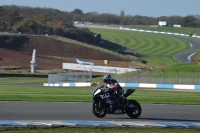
<point>161,77</point>
<point>151,77</point>
<point>147,79</point>
<point>70,76</point>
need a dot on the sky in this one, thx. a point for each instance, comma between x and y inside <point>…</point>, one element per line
<point>150,8</point>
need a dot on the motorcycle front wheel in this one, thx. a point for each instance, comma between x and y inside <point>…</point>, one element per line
<point>99,108</point>
<point>134,109</point>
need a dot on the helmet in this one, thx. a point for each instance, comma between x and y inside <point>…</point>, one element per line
<point>107,78</point>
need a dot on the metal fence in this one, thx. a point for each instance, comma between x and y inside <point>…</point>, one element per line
<point>162,77</point>
<point>156,77</point>
<point>70,76</point>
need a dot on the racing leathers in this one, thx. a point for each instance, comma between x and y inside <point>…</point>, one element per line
<point>113,85</point>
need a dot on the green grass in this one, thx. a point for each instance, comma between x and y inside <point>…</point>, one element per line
<point>97,130</point>
<point>22,79</point>
<point>183,70</point>
<point>40,93</point>
<point>144,43</point>
<point>80,94</point>
<point>158,50</point>
<point>196,56</point>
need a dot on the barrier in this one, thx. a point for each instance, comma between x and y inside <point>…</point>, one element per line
<point>134,85</point>
<point>161,86</point>
<point>96,68</point>
<point>68,84</point>
<point>158,32</point>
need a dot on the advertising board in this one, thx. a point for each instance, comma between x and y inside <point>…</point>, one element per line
<point>103,69</point>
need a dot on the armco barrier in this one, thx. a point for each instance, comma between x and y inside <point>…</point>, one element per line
<point>134,85</point>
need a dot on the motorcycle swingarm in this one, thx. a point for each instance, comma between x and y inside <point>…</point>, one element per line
<point>129,109</point>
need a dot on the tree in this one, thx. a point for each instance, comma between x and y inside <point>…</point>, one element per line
<point>122,14</point>
<point>77,11</point>
<point>188,21</point>
<point>41,19</point>
<point>1,8</point>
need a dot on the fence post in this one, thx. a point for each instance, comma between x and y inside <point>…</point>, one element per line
<point>116,74</point>
<point>150,69</point>
<point>177,76</point>
<point>138,75</point>
<point>192,77</point>
<point>2,70</point>
<point>126,75</point>
<point>77,76</point>
<point>91,76</point>
<point>163,76</point>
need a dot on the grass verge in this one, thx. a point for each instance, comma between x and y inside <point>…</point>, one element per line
<point>156,49</point>
<point>79,94</point>
<point>22,79</point>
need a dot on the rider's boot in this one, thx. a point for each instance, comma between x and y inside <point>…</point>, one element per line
<point>126,103</point>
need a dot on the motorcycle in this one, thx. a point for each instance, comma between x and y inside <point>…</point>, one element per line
<point>100,107</point>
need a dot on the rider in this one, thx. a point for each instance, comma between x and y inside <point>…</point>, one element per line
<point>113,85</point>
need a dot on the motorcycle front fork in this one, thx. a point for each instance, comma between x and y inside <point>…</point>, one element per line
<point>101,104</point>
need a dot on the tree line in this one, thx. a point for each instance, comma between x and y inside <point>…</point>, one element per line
<point>41,21</point>
<point>53,21</point>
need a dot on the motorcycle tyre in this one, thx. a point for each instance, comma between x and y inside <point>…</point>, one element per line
<point>130,113</point>
<point>95,113</point>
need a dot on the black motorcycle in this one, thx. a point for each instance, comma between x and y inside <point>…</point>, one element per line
<point>100,107</point>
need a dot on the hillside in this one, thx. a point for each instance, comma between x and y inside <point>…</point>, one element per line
<point>51,53</point>
<point>52,47</point>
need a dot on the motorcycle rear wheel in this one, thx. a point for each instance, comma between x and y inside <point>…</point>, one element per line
<point>97,110</point>
<point>134,111</point>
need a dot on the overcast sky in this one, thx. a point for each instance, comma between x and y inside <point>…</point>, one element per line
<point>151,8</point>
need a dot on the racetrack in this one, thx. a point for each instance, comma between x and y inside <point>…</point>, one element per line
<point>19,110</point>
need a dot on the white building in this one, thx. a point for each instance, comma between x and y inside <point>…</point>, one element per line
<point>162,23</point>
<point>177,25</point>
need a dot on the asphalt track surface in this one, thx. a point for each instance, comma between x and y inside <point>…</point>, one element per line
<point>185,55</point>
<point>20,110</point>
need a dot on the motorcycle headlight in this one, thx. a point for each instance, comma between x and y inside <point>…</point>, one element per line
<point>98,91</point>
